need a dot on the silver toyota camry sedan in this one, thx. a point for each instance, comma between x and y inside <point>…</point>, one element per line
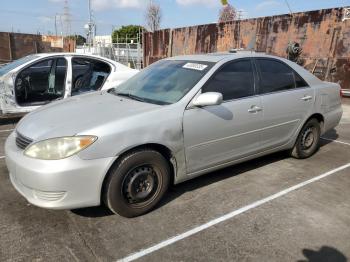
<point>177,119</point>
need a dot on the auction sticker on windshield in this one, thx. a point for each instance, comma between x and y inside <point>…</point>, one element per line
<point>195,66</point>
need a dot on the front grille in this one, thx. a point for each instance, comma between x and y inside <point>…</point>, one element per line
<point>22,142</point>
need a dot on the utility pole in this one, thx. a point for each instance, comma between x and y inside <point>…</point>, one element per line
<point>56,24</point>
<point>90,14</point>
<point>90,26</point>
<point>66,18</point>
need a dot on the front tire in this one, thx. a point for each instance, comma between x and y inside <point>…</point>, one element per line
<point>308,141</point>
<point>136,183</point>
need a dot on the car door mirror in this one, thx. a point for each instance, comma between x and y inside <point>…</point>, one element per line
<point>208,99</point>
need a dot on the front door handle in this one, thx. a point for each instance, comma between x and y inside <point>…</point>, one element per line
<point>254,109</point>
<point>306,98</point>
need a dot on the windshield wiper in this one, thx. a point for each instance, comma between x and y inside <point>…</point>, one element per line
<point>141,99</point>
<point>131,96</point>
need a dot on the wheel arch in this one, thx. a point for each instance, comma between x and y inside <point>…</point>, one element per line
<point>163,150</point>
<point>320,118</point>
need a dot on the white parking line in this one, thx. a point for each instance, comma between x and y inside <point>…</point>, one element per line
<point>336,141</point>
<point>230,215</point>
<point>7,130</point>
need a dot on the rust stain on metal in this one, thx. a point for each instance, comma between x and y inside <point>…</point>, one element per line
<point>323,36</point>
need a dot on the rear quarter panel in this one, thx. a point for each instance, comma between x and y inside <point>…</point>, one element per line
<point>328,103</point>
<point>327,97</point>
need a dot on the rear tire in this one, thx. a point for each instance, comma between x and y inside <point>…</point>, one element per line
<point>136,183</point>
<point>308,141</point>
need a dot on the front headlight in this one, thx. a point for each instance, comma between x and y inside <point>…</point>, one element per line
<point>59,148</point>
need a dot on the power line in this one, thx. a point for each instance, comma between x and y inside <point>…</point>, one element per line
<point>290,9</point>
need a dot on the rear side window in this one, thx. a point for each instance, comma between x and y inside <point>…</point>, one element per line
<point>234,80</point>
<point>300,83</point>
<point>276,76</point>
<point>88,75</point>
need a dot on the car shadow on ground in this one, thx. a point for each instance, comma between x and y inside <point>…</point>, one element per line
<point>13,120</point>
<point>325,254</point>
<point>332,134</point>
<point>93,212</point>
<point>176,191</point>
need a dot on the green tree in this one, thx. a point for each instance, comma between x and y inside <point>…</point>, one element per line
<point>126,33</point>
<point>79,39</point>
<point>224,2</point>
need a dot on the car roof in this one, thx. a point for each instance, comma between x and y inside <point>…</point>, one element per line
<point>217,57</point>
<point>118,65</point>
<point>227,56</point>
<point>42,55</point>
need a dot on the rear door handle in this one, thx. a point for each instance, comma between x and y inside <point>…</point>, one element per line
<point>306,98</point>
<point>255,109</point>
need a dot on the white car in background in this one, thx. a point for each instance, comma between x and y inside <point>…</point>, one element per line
<point>346,92</point>
<point>39,79</point>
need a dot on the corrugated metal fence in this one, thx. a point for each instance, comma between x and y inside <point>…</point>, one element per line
<point>15,45</point>
<point>323,35</point>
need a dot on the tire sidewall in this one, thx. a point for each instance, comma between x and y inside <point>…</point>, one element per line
<point>115,198</point>
<point>300,152</point>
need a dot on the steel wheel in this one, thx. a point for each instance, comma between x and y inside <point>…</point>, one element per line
<point>308,141</point>
<point>308,137</point>
<point>140,185</point>
<point>136,183</point>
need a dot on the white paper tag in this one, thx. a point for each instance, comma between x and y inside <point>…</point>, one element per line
<point>195,66</point>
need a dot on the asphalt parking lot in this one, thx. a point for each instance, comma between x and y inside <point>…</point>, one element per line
<point>267,219</point>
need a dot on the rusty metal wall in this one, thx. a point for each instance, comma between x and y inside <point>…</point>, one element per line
<point>323,36</point>
<point>15,45</point>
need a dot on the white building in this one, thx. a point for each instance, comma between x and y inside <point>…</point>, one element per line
<point>103,40</point>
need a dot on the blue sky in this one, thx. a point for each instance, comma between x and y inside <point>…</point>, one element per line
<point>31,16</point>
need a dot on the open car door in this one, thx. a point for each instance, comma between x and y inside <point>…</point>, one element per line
<point>41,82</point>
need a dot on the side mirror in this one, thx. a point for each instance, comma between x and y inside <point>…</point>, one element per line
<point>208,99</point>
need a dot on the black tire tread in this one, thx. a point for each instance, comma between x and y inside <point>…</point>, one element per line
<point>111,174</point>
<point>295,152</point>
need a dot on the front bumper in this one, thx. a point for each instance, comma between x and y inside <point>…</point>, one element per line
<point>56,184</point>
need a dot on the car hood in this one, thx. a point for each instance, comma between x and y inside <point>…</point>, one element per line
<point>80,114</point>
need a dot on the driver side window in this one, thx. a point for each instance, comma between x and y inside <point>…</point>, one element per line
<point>234,80</point>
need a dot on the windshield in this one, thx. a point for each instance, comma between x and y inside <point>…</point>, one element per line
<point>164,82</point>
<point>10,66</point>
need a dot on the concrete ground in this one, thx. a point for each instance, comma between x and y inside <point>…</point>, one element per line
<point>311,223</point>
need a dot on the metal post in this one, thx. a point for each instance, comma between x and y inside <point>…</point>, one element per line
<point>10,46</point>
<point>127,50</point>
<point>56,24</point>
<point>90,33</point>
